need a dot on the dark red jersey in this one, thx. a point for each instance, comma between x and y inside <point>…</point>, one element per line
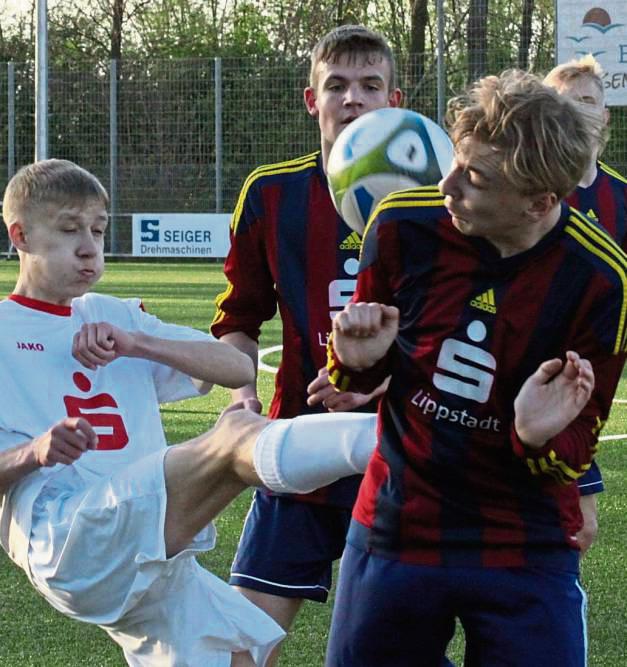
<point>605,201</point>
<point>290,248</point>
<point>450,483</point>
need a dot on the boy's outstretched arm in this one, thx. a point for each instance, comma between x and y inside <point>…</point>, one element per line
<point>363,333</point>
<point>211,361</point>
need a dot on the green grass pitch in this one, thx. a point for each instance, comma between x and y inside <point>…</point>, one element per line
<point>33,634</point>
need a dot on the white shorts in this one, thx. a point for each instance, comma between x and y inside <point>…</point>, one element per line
<point>97,553</point>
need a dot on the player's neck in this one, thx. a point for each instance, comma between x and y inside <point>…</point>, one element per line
<point>589,175</point>
<point>40,293</point>
<point>526,237</point>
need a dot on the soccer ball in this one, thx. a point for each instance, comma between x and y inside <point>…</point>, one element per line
<point>380,152</point>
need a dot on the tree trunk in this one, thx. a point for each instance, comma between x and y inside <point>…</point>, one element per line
<point>477,37</point>
<point>525,34</point>
<point>116,29</point>
<point>419,22</point>
<point>339,13</point>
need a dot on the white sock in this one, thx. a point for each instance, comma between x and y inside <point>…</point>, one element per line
<point>305,453</point>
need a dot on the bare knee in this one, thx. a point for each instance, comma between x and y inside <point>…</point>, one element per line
<point>282,610</point>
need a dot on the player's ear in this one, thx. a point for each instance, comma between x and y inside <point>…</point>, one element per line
<point>395,97</point>
<point>17,235</point>
<point>541,205</point>
<point>310,101</point>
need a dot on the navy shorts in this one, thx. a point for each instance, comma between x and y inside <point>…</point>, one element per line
<point>287,547</point>
<point>393,614</point>
<point>591,482</point>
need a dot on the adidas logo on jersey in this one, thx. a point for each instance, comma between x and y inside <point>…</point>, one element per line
<point>485,301</point>
<point>592,215</point>
<point>351,242</point>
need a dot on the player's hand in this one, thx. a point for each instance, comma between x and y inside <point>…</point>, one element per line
<point>65,442</point>
<point>322,391</point>
<point>552,398</point>
<point>363,333</point>
<point>100,343</point>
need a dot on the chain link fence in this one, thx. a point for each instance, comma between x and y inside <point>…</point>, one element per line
<point>181,135</point>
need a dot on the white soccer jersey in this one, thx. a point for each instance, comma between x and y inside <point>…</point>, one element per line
<point>43,383</point>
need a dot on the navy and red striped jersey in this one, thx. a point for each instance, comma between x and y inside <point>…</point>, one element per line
<point>605,201</point>
<point>450,483</point>
<point>290,248</point>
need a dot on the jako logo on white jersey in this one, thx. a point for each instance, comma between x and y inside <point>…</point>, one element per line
<point>471,380</point>
<point>33,347</point>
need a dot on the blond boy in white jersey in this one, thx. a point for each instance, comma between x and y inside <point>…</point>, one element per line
<point>104,518</point>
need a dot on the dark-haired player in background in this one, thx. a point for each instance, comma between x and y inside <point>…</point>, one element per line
<point>289,247</point>
<point>602,196</point>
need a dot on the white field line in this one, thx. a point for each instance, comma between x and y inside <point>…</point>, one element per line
<point>262,353</point>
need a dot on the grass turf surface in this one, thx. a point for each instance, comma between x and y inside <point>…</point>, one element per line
<point>32,633</point>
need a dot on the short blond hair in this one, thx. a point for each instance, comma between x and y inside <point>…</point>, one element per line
<point>353,41</point>
<point>48,182</point>
<point>543,139</point>
<point>586,67</point>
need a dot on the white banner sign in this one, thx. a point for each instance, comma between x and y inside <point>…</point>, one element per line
<point>181,234</point>
<point>585,26</point>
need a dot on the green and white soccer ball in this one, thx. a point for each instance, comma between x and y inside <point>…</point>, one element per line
<point>381,152</point>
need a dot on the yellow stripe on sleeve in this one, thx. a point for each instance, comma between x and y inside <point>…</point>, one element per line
<point>602,245</point>
<point>612,172</point>
<point>220,314</point>
<point>290,166</point>
<point>415,197</point>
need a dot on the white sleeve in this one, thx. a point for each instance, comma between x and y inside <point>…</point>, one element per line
<point>128,314</point>
<point>172,385</point>
<point>10,439</point>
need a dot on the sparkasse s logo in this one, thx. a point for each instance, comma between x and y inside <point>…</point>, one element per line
<point>149,230</point>
<point>471,380</point>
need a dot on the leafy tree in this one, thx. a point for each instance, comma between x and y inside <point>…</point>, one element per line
<point>176,29</point>
<point>93,31</point>
<point>246,32</point>
<point>17,32</point>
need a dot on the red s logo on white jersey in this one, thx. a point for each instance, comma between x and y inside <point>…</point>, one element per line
<point>115,435</point>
